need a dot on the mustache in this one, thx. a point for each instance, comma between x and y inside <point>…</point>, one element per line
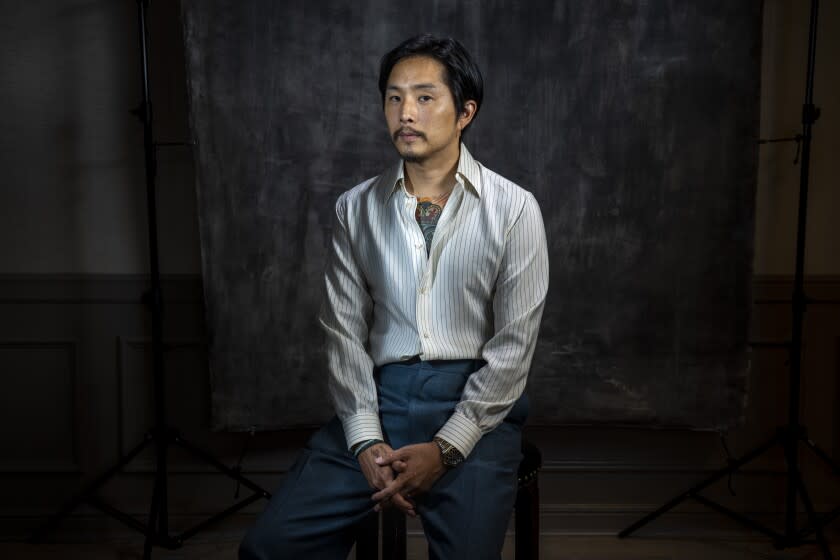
<point>408,131</point>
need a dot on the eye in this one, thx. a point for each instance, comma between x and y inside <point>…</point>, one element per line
<point>394,98</point>
<point>425,98</point>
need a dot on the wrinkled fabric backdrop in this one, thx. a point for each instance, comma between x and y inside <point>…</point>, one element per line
<point>633,123</point>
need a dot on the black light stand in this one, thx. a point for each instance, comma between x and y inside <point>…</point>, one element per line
<point>162,435</point>
<point>791,435</point>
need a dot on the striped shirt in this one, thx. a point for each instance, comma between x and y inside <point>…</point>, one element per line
<point>478,294</point>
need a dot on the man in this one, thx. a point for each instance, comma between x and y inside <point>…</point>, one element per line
<point>434,294</point>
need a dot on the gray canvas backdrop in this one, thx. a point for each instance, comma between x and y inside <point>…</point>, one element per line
<point>633,123</point>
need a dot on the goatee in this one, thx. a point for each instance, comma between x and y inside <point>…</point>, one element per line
<point>411,158</point>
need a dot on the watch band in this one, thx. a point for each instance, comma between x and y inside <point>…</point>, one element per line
<point>362,445</point>
<point>449,453</point>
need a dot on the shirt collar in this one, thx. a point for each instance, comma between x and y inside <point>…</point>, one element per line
<point>468,173</point>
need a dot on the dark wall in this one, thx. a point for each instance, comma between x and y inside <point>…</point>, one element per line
<point>633,123</point>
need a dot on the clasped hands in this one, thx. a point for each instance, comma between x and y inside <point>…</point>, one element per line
<point>417,467</point>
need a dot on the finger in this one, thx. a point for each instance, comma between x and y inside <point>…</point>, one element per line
<point>382,495</point>
<point>384,504</point>
<point>399,466</point>
<point>402,485</point>
<point>387,474</point>
<point>383,481</point>
<point>404,505</point>
<point>389,491</point>
<point>391,456</point>
<point>399,502</point>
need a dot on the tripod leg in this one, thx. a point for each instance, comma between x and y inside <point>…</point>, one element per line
<point>162,482</point>
<point>733,466</point>
<point>85,494</point>
<point>234,474</point>
<point>151,527</point>
<point>821,454</point>
<point>812,516</point>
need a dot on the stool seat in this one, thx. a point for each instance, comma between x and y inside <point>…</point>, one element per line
<point>526,518</point>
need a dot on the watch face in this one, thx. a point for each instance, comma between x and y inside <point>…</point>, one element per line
<point>450,456</point>
<point>451,459</point>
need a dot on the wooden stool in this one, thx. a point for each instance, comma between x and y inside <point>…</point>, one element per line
<point>526,518</point>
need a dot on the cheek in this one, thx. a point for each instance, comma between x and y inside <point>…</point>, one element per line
<point>444,117</point>
<point>391,119</point>
<point>432,117</point>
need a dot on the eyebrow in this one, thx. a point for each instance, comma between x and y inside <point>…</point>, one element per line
<point>415,86</point>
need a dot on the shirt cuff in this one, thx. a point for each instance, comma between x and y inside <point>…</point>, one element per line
<point>461,432</point>
<point>361,427</point>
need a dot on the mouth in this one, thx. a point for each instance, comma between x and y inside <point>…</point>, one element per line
<point>407,135</point>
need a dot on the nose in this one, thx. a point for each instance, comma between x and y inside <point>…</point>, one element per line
<point>407,111</point>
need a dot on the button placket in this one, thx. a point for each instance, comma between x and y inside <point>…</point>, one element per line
<point>447,217</point>
<point>415,236</point>
<point>422,310</point>
<point>423,260</point>
<point>420,262</point>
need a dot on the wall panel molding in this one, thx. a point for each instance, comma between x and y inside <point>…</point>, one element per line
<point>35,388</point>
<point>96,288</point>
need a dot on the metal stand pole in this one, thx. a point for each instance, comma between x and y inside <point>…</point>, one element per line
<point>790,436</point>
<point>162,435</point>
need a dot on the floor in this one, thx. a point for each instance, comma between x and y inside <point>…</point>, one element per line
<point>552,547</point>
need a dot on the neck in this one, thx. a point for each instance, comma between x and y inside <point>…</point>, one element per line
<point>433,176</point>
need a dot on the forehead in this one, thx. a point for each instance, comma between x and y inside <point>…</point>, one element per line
<point>416,70</point>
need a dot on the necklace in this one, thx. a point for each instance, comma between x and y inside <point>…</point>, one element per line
<point>433,200</point>
<point>438,198</point>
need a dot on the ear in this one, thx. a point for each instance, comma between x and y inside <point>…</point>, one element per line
<point>467,114</point>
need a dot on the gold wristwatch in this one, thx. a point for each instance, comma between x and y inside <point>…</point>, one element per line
<point>449,453</point>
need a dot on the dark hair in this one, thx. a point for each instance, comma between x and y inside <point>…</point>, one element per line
<point>462,75</point>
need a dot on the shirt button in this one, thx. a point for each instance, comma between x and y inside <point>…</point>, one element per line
<point>425,335</point>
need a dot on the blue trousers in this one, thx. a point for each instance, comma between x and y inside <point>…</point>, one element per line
<point>464,515</point>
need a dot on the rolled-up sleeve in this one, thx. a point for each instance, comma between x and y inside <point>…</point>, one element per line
<point>521,288</point>
<point>345,317</point>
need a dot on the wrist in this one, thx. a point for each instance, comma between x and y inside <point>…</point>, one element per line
<point>358,448</point>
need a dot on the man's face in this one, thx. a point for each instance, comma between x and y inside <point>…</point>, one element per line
<point>420,110</point>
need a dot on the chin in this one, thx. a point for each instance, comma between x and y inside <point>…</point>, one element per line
<point>410,155</point>
<point>412,158</point>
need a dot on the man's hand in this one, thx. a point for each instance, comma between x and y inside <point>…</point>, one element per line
<point>418,467</point>
<point>380,476</point>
